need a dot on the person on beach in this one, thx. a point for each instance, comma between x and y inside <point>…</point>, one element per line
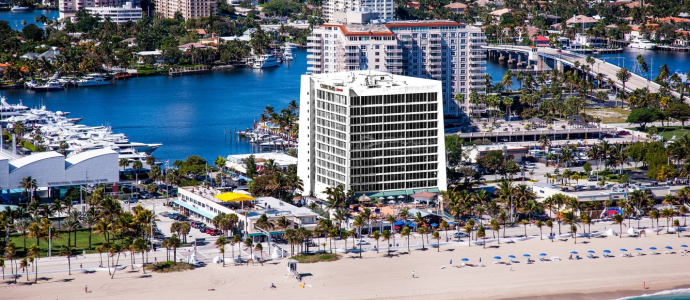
<point>86,289</point>
<point>412,273</point>
<point>80,266</point>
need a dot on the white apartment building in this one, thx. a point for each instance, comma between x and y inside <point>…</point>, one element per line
<point>443,50</point>
<point>69,8</point>
<point>190,9</point>
<point>333,9</point>
<point>370,132</point>
<point>119,14</point>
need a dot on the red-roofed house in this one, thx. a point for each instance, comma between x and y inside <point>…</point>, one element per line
<point>456,7</point>
<point>540,41</point>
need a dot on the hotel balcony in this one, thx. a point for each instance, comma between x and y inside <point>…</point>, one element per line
<point>313,45</point>
<point>314,69</point>
<point>435,39</point>
<point>477,68</point>
<point>394,56</point>
<point>477,79</point>
<point>477,84</point>
<point>312,56</point>
<point>348,49</point>
<point>394,63</point>
<point>394,50</point>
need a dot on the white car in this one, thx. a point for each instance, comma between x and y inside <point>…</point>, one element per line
<point>362,242</point>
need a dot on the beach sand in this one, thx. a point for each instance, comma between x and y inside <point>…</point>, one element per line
<point>378,277</point>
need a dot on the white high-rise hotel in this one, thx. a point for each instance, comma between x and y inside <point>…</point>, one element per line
<point>442,50</point>
<point>370,131</point>
<point>333,9</point>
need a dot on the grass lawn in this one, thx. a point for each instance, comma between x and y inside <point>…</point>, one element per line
<point>609,114</point>
<point>668,132</point>
<point>314,258</point>
<point>82,243</point>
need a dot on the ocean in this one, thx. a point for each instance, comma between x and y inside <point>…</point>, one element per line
<point>681,294</point>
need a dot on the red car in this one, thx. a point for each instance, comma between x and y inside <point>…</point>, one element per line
<point>213,231</point>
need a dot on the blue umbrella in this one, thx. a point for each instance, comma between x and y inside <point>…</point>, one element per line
<point>410,225</point>
<point>451,261</point>
<point>590,251</point>
<point>542,254</point>
<point>497,257</point>
<point>511,256</point>
<point>668,247</point>
<point>684,246</point>
<point>573,252</point>
<point>451,223</point>
<point>638,249</point>
<point>652,248</point>
<point>624,250</point>
<point>434,224</point>
<point>399,223</point>
<point>525,255</point>
<point>464,259</point>
<point>607,251</point>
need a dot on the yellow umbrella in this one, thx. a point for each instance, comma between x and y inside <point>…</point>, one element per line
<point>234,197</point>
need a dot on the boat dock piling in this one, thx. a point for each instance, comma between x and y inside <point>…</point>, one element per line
<point>187,70</point>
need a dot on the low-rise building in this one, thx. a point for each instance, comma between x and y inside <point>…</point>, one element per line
<point>281,160</point>
<point>456,7</point>
<point>581,21</point>
<point>478,152</point>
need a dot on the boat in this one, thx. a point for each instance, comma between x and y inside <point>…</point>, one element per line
<point>92,81</point>
<point>290,46</point>
<point>50,86</point>
<point>265,61</point>
<point>122,76</point>
<point>642,44</point>
<point>9,110</point>
<point>20,8</point>
<point>287,54</point>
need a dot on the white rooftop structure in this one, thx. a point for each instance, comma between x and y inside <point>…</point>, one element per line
<point>283,160</point>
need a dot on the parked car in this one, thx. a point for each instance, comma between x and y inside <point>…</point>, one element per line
<point>460,235</point>
<point>213,231</point>
<point>131,200</point>
<point>362,242</point>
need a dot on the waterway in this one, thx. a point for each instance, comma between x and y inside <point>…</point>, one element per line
<point>15,18</point>
<point>189,115</point>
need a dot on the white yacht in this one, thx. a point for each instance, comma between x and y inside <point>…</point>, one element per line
<point>50,86</point>
<point>642,44</point>
<point>265,61</point>
<point>18,8</point>
<point>287,54</point>
<point>92,81</point>
<point>9,110</point>
<point>290,46</point>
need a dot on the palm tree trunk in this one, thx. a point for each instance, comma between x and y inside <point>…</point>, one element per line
<point>35,274</point>
<point>143,265</point>
<point>115,267</point>
<point>69,266</point>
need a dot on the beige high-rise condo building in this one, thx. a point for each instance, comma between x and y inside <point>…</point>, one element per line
<point>442,50</point>
<point>333,9</point>
<point>190,9</point>
<point>69,8</point>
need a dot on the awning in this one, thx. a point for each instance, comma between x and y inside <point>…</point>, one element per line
<point>261,233</point>
<point>195,209</point>
<point>233,197</point>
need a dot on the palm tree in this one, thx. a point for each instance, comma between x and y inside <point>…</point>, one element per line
<point>237,240</point>
<point>220,244</point>
<point>481,233</point>
<point>668,214</point>
<point>22,226</point>
<point>376,235</point>
<point>359,223</point>
<point>10,252</point>
<point>174,244</point>
<point>260,248</point>
<point>29,184</point>
<point>623,75</point>
<point>250,245</point>
<point>550,225</point>
<point>406,232</point>
<point>35,252</point>
<point>115,249</point>
<point>142,247</point>
<point>468,230</point>
<point>24,265</point>
<point>2,265</point>
<point>386,237</point>
<point>67,252</point>
<point>618,219</point>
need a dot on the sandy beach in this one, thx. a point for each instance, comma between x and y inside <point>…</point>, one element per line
<point>378,277</point>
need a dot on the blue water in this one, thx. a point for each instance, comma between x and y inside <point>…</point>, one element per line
<point>683,294</point>
<point>189,115</point>
<point>15,18</point>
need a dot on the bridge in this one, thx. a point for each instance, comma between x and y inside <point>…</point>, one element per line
<point>564,57</point>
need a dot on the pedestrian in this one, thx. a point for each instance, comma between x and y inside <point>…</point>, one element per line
<point>412,273</point>
<point>155,260</point>
<point>80,266</point>
<point>86,289</point>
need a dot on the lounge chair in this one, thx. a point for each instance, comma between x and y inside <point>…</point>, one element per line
<point>590,256</point>
<point>514,261</point>
<point>624,255</point>
<point>555,258</point>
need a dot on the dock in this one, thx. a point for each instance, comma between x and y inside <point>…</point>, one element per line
<point>187,70</point>
<point>672,48</point>
<point>597,50</point>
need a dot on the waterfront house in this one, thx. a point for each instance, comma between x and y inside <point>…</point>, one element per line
<point>188,46</point>
<point>540,41</point>
<point>155,56</point>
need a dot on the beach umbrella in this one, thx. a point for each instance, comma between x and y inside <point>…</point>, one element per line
<point>434,224</point>
<point>669,247</point>
<point>542,254</point>
<point>590,251</point>
<point>451,223</point>
<point>497,257</point>
<point>511,256</point>
<point>684,246</point>
<point>465,259</point>
<point>624,250</point>
<point>638,249</point>
<point>652,248</point>
<point>573,252</point>
<point>607,251</point>
<point>525,255</point>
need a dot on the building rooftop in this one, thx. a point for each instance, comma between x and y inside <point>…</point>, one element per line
<point>362,30</point>
<point>273,207</point>
<point>368,79</point>
<point>27,160</point>
<point>84,156</point>
<point>422,23</point>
